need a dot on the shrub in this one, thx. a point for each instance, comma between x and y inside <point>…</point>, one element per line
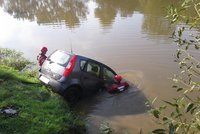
<point>13,58</point>
<point>184,115</point>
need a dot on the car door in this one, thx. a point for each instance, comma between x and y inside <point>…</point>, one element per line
<point>91,76</point>
<point>108,76</point>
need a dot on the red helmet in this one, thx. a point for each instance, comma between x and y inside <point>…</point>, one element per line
<point>44,50</point>
<point>118,78</point>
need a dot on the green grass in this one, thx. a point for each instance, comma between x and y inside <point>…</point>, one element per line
<point>40,111</point>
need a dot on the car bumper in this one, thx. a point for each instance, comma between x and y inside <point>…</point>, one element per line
<point>55,85</point>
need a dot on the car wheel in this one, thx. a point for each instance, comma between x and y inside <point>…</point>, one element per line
<point>72,95</point>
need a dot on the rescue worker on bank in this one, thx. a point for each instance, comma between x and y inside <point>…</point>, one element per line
<point>42,56</point>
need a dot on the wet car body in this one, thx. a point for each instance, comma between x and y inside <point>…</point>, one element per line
<point>73,76</point>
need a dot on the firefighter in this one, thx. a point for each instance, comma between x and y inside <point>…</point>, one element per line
<point>42,56</point>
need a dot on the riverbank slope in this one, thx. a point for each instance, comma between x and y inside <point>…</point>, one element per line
<point>26,106</point>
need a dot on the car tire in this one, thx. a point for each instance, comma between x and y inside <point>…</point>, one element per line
<point>72,95</point>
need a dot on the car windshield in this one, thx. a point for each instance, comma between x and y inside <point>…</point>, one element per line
<point>59,57</point>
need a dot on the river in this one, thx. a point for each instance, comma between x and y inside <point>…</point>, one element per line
<point>130,36</point>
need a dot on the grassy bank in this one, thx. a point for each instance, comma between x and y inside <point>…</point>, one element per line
<point>38,110</point>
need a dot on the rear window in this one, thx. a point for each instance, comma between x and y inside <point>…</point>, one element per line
<point>59,57</point>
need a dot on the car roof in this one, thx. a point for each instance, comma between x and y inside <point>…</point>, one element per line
<point>86,58</point>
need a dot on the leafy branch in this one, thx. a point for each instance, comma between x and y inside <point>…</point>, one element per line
<point>181,115</point>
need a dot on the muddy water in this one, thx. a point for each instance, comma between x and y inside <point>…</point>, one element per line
<point>124,111</point>
<point>130,36</point>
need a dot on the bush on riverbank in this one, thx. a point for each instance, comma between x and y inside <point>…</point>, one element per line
<point>37,109</point>
<point>13,58</point>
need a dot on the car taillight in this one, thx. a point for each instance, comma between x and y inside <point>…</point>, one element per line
<point>70,66</point>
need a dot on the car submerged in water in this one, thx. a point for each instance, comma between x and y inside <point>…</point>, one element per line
<point>74,76</point>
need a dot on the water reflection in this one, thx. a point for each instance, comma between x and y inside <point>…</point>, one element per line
<point>1,2</point>
<point>68,12</point>
<point>156,25</point>
<point>71,12</point>
<point>107,11</point>
<point>154,18</point>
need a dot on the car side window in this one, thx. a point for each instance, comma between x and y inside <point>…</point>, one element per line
<point>82,64</point>
<point>93,68</point>
<point>108,74</point>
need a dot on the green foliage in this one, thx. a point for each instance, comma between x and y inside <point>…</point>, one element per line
<point>105,128</point>
<point>13,58</point>
<point>40,111</point>
<point>184,115</point>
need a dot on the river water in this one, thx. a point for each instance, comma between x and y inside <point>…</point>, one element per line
<point>130,36</point>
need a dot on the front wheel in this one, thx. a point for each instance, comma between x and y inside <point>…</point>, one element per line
<point>72,95</point>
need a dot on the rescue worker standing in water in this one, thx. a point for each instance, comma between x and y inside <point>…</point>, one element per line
<point>42,57</point>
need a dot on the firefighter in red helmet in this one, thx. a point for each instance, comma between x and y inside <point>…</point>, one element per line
<point>118,78</point>
<point>42,56</point>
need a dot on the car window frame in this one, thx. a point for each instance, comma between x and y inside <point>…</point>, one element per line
<point>82,69</point>
<point>108,68</point>
<point>95,62</point>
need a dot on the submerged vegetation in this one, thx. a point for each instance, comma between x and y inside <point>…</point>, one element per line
<point>26,106</point>
<point>184,115</point>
